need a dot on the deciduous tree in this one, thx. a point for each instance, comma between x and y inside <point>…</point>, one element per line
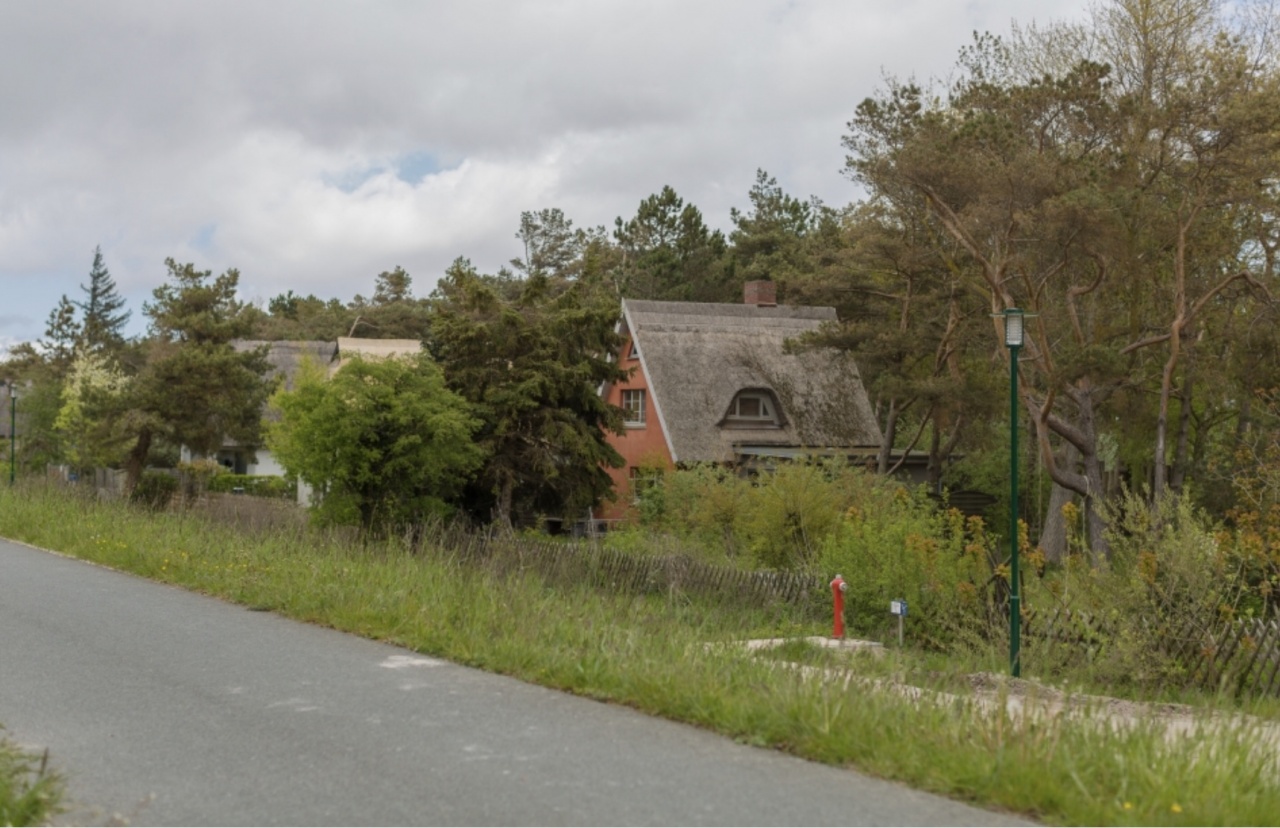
<point>384,444</point>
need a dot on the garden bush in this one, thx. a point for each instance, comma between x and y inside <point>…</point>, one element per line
<point>776,520</point>
<point>1172,576</point>
<point>897,544</point>
<point>254,484</point>
<point>155,489</point>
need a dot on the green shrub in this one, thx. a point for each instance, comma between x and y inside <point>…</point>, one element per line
<point>259,485</point>
<point>777,520</point>
<point>1168,576</point>
<point>794,510</point>
<point>897,544</point>
<point>155,489</point>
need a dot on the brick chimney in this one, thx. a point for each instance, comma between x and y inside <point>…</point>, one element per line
<point>762,293</point>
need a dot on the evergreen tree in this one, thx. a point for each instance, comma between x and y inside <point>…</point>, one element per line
<point>392,286</point>
<point>531,367</point>
<point>103,308</point>
<point>670,253</point>
<point>195,389</point>
<point>62,332</point>
<point>768,240</point>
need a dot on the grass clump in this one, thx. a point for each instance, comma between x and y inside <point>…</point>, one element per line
<point>650,652</point>
<point>30,793</point>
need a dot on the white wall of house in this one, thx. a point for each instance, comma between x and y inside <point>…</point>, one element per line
<point>266,465</point>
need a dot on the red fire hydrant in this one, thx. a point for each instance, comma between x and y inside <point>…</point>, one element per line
<point>838,589</point>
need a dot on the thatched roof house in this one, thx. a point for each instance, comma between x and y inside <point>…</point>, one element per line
<point>701,360</point>
<point>717,383</point>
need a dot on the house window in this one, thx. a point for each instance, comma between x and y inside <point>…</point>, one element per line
<point>633,350</point>
<point>633,407</point>
<point>755,408</point>
<point>642,479</point>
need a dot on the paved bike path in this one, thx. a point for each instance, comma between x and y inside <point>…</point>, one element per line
<point>168,707</point>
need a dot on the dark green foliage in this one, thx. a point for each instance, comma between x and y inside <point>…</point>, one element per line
<point>768,239</point>
<point>194,388</point>
<point>62,334</point>
<point>290,316</point>
<point>531,367</point>
<point>670,254</point>
<point>392,286</point>
<point>103,311</point>
<point>552,247</point>
<point>155,489</point>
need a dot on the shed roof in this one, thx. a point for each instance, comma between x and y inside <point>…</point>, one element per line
<point>698,356</point>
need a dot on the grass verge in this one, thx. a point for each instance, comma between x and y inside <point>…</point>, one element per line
<point>30,793</point>
<point>648,653</point>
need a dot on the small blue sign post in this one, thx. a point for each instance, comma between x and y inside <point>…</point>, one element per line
<point>899,608</point>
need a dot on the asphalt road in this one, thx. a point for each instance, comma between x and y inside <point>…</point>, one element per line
<point>167,707</point>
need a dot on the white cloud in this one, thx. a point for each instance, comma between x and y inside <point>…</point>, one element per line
<point>268,136</point>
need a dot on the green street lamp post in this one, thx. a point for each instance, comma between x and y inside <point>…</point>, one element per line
<point>13,432</point>
<point>1013,319</point>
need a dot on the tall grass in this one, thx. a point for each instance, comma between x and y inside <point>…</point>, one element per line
<point>649,652</point>
<point>30,793</point>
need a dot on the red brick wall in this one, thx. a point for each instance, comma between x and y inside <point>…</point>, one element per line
<point>639,445</point>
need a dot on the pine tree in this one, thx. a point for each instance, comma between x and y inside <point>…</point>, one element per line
<point>104,319</point>
<point>62,333</point>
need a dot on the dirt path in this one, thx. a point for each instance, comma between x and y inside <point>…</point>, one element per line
<point>1022,697</point>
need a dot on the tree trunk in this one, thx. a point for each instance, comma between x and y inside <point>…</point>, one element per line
<point>136,462</point>
<point>886,443</point>
<point>1083,434</point>
<point>934,471</point>
<point>1093,498</point>
<point>1182,451</point>
<point>502,510</point>
<point>1053,537</point>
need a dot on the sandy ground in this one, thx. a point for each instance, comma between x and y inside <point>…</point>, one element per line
<point>1022,697</point>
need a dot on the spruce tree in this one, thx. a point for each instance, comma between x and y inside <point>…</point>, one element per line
<point>104,319</point>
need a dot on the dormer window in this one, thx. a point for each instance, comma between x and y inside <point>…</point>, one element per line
<point>753,408</point>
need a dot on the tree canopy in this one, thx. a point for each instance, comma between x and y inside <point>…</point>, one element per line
<point>531,368</point>
<point>384,444</point>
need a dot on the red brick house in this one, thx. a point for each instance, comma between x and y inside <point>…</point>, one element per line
<point>714,383</point>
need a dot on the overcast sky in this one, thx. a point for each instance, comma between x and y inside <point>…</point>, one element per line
<point>314,144</point>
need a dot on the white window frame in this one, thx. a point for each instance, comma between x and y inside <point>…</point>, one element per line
<point>633,416</point>
<point>768,409</point>
<point>641,479</point>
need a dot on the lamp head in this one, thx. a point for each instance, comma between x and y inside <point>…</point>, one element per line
<point>1013,319</point>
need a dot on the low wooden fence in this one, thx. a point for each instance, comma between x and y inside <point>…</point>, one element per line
<point>1241,655</point>
<point>588,562</point>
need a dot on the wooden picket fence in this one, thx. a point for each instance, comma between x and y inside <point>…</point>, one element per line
<point>1241,655</point>
<point>588,562</point>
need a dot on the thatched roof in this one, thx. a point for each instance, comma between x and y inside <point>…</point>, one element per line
<point>286,357</point>
<point>697,357</point>
<point>355,345</point>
